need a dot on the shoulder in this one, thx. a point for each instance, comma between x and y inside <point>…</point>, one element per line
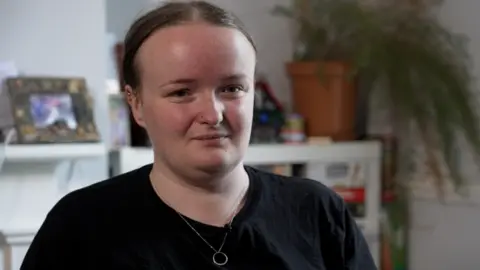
<point>299,186</point>
<point>302,192</point>
<point>102,196</point>
<point>318,213</point>
<point>80,219</point>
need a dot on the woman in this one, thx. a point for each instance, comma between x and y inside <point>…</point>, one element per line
<point>189,70</point>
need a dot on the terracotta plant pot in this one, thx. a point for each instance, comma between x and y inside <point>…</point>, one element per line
<point>327,101</point>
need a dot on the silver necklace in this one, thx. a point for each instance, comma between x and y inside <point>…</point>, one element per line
<point>219,257</point>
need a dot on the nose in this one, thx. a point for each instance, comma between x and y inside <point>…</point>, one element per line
<point>211,110</point>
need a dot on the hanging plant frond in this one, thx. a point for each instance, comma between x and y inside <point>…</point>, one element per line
<point>423,66</point>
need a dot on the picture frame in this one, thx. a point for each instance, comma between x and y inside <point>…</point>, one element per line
<point>51,110</point>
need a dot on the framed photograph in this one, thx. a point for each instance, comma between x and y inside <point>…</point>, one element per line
<point>51,110</point>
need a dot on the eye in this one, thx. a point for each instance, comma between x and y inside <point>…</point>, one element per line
<point>233,89</point>
<point>180,93</point>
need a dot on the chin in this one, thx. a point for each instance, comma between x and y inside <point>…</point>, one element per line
<point>215,160</point>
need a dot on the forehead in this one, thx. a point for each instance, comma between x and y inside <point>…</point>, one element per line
<point>196,49</point>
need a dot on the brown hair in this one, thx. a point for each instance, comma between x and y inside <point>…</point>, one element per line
<point>170,14</point>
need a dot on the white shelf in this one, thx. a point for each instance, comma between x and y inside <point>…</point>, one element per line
<point>304,153</point>
<point>51,152</point>
<point>31,182</point>
<point>130,158</point>
<point>20,236</point>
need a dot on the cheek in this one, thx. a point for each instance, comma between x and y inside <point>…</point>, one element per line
<point>239,114</point>
<point>164,119</point>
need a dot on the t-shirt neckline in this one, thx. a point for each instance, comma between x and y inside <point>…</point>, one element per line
<point>252,198</point>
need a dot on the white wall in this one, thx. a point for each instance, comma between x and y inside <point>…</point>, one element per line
<point>445,237</point>
<point>121,13</point>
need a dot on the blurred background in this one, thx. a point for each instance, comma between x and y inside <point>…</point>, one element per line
<point>377,99</point>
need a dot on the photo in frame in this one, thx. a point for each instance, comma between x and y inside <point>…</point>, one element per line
<point>51,110</point>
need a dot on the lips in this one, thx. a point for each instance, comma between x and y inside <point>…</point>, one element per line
<point>211,136</point>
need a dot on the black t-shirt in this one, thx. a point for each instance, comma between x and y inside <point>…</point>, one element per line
<point>286,223</point>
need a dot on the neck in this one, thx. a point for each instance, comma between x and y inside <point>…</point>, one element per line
<point>212,202</point>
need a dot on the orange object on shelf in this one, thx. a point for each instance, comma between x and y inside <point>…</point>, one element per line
<point>327,103</point>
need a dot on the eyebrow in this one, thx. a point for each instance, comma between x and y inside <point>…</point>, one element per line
<point>234,77</point>
<point>190,80</point>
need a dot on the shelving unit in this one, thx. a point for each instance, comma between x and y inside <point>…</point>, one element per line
<point>29,187</point>
<point>315,158</point>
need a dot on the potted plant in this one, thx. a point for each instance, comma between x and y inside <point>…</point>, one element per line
<point>401,51</point>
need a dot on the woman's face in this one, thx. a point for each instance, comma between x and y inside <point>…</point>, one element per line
<point>196,95</point>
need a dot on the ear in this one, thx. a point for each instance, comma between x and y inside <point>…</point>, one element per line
<point>135,103</point>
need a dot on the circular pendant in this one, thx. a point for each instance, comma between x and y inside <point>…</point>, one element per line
<point>220,258</point>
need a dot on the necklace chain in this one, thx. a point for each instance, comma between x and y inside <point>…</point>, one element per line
<point>218,252</point>
<point>201,237</point>
<point>232,217</point>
